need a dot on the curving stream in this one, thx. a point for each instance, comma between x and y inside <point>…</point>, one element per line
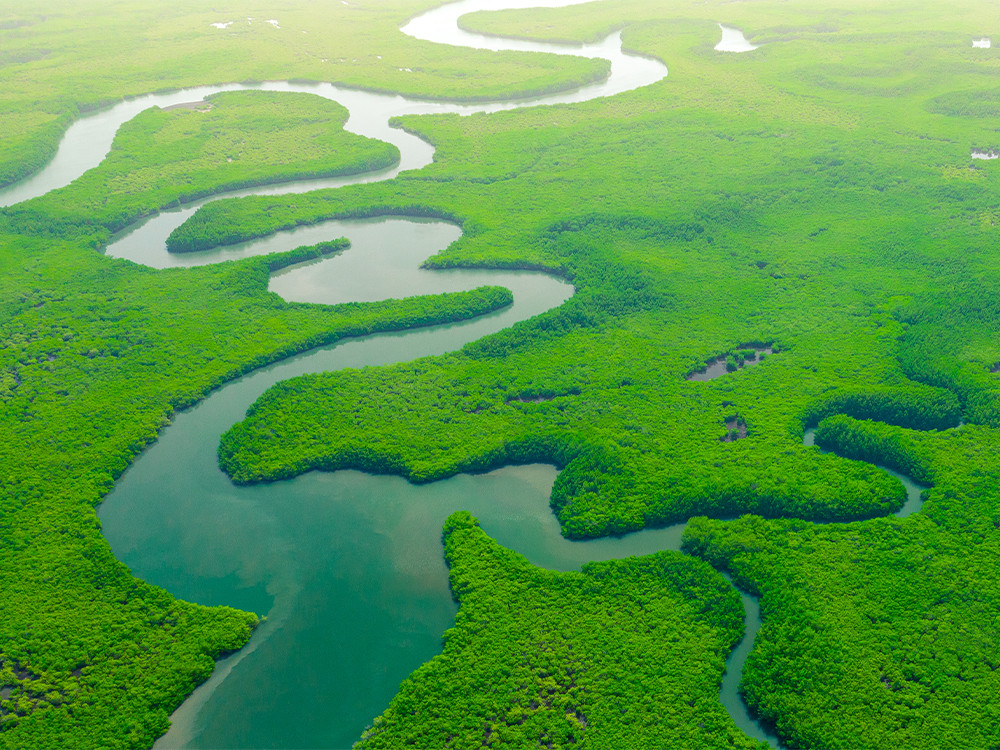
<point>347,566</point>
<point>89,139</point>
<point>914,490</point>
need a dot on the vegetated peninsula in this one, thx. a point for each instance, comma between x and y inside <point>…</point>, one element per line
<point>821,197</point>
<point>541,654</point>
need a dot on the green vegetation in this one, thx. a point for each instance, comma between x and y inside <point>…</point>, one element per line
<point>58,60</point>
<point>809,194</point>
<point>952,342</point>
<point>816,193</point>
<point>234,140</point>
<point>627,654</point>
<point>661,291</point>
<point>100,353</point>
<point>884,630</point>
<point>96,354</point>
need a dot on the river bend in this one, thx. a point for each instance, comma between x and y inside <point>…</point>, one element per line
<point>347,566</point>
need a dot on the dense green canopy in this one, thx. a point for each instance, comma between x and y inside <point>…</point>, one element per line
<point>626,654</point>
<point>816,195</point>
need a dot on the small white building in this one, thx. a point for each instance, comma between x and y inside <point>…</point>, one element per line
<point>984,43</point>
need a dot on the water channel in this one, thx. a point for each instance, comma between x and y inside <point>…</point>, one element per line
<point>347,567</point>
<point>733,40</point>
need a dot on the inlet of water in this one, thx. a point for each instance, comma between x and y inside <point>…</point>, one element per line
<point>733,41</point>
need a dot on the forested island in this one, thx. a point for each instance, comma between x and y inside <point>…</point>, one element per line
<point>719,303</point>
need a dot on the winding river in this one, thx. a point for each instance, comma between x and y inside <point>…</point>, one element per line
<point>346,566</point>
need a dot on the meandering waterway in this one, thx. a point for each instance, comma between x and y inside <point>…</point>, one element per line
<point>347,567</point>
<point>914,490</point>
